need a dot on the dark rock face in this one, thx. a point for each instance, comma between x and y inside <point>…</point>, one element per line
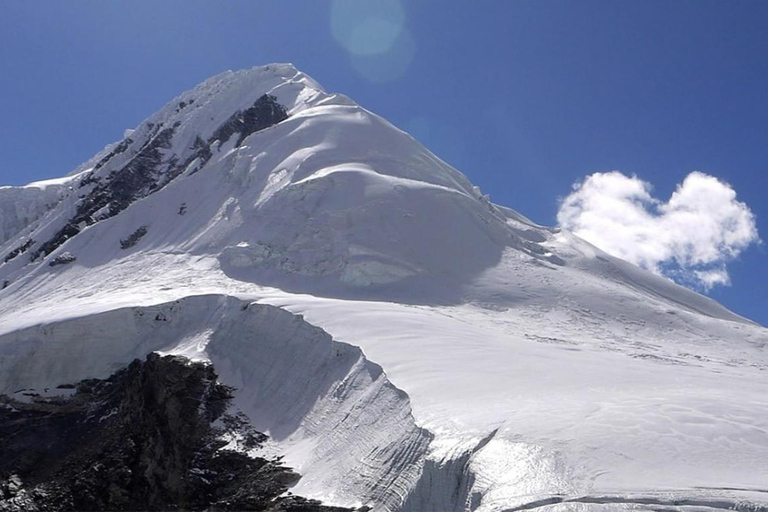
<point>62,259</point>
<point>147,438</point>
<point>133,238</point>
<point>265,112</point>
<point>19,250</point>
<point>120,148</point>
<point>114,194</point>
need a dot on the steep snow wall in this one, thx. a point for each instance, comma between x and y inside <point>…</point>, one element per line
<point>332,413</point>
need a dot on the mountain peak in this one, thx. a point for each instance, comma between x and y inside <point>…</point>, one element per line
<point>264,225</point>
<point>209,103</point>
<point>353,196</point>
<point>287,185</point>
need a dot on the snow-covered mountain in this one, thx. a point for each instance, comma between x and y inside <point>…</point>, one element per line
<point>405,343</point>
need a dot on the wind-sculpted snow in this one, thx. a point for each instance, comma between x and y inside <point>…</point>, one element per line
<point>540,372</point>
<point>332,413</point>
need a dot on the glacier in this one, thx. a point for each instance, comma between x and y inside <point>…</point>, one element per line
<point>405,343</point>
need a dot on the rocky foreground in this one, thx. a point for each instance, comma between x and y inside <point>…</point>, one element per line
<point>153,436</point>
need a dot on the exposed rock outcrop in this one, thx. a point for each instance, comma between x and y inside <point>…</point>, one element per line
<point>153,436</point>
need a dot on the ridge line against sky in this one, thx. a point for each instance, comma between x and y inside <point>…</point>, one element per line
<point>525,98</point>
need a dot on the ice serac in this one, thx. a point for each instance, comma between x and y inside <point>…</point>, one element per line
<point>21,206</point>
<point>406,343</point>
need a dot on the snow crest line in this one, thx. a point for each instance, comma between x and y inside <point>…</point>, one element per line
<point>333,414</point>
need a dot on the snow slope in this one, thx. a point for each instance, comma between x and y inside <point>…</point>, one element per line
<point>406,343</point>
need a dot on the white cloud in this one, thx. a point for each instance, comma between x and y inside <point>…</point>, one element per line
<point>690,238</point>
<point>713,277</point>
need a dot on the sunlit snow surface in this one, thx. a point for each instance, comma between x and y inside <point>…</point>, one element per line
<point>523,368</point>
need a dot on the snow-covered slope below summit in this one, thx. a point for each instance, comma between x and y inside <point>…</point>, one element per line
<point>545,370</point>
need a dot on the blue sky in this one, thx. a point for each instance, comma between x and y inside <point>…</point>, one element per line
<point>526,98</point>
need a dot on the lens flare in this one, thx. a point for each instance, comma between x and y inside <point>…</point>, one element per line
<point>375,35</point>
<point>367,27</point>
